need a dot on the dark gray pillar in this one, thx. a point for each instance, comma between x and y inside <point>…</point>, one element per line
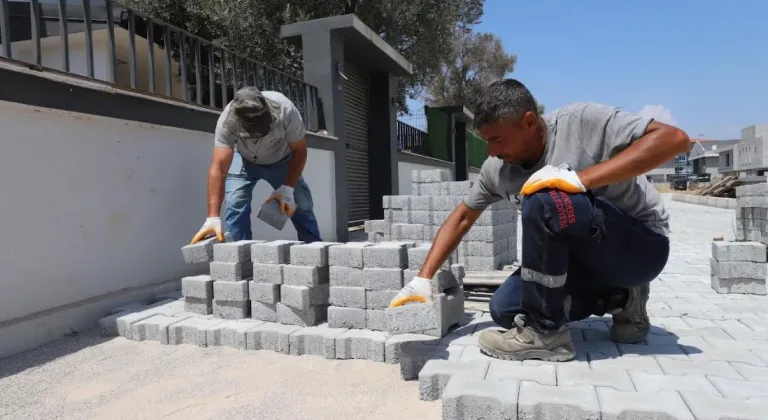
<point>460,154</point>
<point>382,140</point>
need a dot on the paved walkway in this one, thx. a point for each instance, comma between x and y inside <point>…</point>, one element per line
<point>709,351</point>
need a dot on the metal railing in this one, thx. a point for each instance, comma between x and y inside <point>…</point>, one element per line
<point>412,139</point>
<point>208,74</point>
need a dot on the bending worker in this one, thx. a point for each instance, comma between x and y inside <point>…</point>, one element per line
<point>259,135</point>
<point>595,231</point>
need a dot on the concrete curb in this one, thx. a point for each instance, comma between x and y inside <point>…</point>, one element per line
<point>720,202</point>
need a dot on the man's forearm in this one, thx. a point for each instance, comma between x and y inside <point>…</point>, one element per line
<point>448,238</point>
<point>655,148</point>
<point>295,167</point>
<point>215,192</point>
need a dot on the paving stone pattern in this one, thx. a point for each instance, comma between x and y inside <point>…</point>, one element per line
<point>489,245</point>
<point>705,358</point>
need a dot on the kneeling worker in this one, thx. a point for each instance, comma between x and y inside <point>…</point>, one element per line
<point>259,135</point>
<point>595,231</point>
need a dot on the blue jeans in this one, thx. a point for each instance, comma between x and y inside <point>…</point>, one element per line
<point>241,179</point>
<point>577,251</point>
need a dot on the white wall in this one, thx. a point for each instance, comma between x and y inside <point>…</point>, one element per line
<point>95,205</point>
<point>404,170</point>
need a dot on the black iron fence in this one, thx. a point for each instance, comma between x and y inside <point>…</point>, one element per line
<point>207,74</point>
<point>412,139</point>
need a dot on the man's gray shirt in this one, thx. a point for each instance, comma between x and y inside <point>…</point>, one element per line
<point>581,135</point>
<point>272,148</point>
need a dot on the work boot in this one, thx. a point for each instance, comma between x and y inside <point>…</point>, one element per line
<point>524,342</point>
<point>631,324</point>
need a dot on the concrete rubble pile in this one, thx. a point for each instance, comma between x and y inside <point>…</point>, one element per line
<point>740,266</point>
<point>489,245</point>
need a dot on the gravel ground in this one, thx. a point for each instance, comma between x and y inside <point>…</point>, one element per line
<point>89,377</point>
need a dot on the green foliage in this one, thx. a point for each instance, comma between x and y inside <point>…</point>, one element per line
<point>421,30</point>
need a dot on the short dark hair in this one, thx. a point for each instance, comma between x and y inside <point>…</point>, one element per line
<point>503,99</point>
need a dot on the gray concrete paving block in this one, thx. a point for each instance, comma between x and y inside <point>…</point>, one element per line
<point>400,216</point>
<point>123,323</point>
<point>299,275</point>
<point>230,290</point>
<point>347,255</point>
<point>431,176</point>
<point>408,231</point>
<point>618,405</point>
<point>271,336</point>
<point>739,251</point>
<point>339,317</point>
<point>361,345</point>
<point>376,226</point>
<point>319,340</point>
<point>348,297</point>
<point>192,331</point>
<point>273,252</point>
<point>154,328</point>
<point>382,278</point>
<point>314,254</point>
<point>457,188</point>
<point>234,252</point>
<point>385,255</point>
<point>421,203</point>
<point>414,355</point>
<point>269,213</point>
<point>496,217</point>
<point>314,315</point>
<point>231,333</point>
<point>201,252</point>
<point>264,311</point>
<point>393,347</point>
<point>346,276</point>
<point>411,318</point>
<point>611,378</point>
<point>709,407</point>
<point>375,320</point>
<point>648,382</point>
<point>399,202</point>
<point>467,398</point>
<point>197,286</point>
<point>198,306</point>
<point>435,374</point>
<point>423,218</point>
<point>504,370</point>
<point>226,309</point>
<point>304,298</point>
<point>268,273</point>
<point>108,324</point>
<point>264,292</point>
<point>738,269</point>
<point>748,286</point>
<point>231,271</point>
<point>542,402</point>
<point>379,299</point>
<point>491,233</point>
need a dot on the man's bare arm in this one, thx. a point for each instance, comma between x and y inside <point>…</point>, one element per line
<point>448,238</point>
<point>660,144</point>
<point>217,174</point>
<point>297,162</point>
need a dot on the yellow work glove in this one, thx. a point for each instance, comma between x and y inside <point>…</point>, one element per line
<point>418,290</point>
<point>284,196</point>
<point>560,178</point>
<point>212,225</point>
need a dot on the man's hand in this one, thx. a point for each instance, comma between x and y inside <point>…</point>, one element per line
<point>212,225</point>
<point>561,178</point>
<point>284,196</point>
<point>418,290</point>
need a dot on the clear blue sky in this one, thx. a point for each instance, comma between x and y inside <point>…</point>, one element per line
<point>705,62</point>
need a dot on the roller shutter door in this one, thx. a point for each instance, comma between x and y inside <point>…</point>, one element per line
<point>356,122</point>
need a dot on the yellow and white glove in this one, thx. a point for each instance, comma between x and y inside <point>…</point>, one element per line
<point>417,290</point>
<point>284,196</point>
<point>560,178</point>
<point>212,225</point>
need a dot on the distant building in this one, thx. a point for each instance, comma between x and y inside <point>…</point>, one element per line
<point>748,156</point>
<point>703,158</point>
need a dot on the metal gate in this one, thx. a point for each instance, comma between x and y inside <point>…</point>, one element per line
<point>356,123</point>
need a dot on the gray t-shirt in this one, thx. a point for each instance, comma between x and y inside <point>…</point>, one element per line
<point>273,147</point>
<point>581,135</point>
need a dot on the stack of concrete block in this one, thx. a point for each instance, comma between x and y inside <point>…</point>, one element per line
<point>305,290</point>
<point>739,267</point>
<point>752,213</point>
<point>269,260</point>
<point>231,271</point>
<point>365,277</point>
<point>489,245</point>
<point>197,292</point>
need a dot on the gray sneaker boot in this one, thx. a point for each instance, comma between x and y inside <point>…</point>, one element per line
<point>631,324</point>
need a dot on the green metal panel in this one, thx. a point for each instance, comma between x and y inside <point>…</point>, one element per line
<point>438,134</point>
<point>477,149</point>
